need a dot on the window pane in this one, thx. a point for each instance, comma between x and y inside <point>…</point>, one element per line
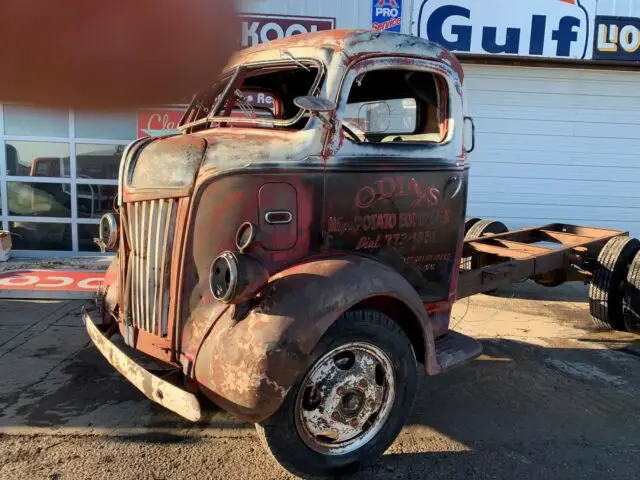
<point>24,120</point>
<point>95,200</point>
<point>37,159</point>
<point>86,234</point>
<point>40,236</point>
<point>98,161</point>
<point>39,199</point>
<point>117,126</point>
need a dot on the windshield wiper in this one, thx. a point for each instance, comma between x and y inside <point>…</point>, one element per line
<point>244,104</point>
<point>295,60</point>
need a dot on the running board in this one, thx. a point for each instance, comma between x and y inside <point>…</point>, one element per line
<point>455,349</point>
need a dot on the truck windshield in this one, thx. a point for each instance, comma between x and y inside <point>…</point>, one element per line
<point>258,95</point>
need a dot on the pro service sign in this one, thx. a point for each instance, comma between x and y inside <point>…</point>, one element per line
<point>617,38</point>
<point>528,28</point>
<point>387,15</point>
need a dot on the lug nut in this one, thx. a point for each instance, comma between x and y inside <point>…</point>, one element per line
<point>340,391</point>
<point>354,423</point>
<point>335,416</point>
<point>363,383</point>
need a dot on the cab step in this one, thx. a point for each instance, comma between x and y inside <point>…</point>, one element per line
<point>455,349</point>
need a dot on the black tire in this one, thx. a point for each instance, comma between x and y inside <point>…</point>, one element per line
<point>631,300</point>
<point>607,287</point>
<point>479,230</point>
<point>280,434</point>
<point>470,222</point>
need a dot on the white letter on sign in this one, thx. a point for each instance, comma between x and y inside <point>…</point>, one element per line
<point>629,38</point>
<point>62,282</point>
<point>19,280</point>
<point>295,28</point>
<point>271,26</point>
<point>250,34</point>
<point>609,45</point>
<point>86,283</point>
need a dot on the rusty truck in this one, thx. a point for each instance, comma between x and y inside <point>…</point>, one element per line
<point>297,265</point>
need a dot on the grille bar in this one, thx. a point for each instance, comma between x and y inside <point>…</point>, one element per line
<point>152,226</point>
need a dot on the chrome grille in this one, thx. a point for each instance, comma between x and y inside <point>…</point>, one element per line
<point>152,231</point>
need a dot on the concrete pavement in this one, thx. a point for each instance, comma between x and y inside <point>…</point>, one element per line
<point>550,398</point>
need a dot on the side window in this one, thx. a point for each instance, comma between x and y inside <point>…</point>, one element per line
<point>397,105</point>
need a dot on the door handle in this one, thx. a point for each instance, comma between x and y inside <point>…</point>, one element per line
<point>279,217</point>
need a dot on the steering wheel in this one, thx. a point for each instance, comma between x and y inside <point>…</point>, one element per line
<point>351,134</point>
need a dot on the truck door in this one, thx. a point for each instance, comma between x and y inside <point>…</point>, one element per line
<point>396,177</point>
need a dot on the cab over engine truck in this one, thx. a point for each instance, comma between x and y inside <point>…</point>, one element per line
<point>297,266</point>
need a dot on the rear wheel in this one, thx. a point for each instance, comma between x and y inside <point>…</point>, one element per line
<point>631,300</point>
<point>470,222</point>
<point>478,230</point>
<point>607,286</point>
<point>350,404</point>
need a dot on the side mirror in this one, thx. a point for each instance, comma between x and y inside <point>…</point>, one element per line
<point>473,134</point>
<point>314,104</point>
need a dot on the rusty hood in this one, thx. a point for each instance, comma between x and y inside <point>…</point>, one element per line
<point>175,162</point>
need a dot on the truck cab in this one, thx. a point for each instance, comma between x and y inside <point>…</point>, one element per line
<point>296,263</point>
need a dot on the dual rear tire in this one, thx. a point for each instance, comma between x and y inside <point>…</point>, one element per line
<point>613,299</point>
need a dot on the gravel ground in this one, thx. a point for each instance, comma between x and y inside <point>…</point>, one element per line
<point>551,397</point>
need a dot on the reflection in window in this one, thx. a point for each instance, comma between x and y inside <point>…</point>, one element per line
<point>95,200</point>
<point>98,161</point>
<point>86,234</point>
<point>39,199</point>
<point>414,110</point>
<point>40,236</point>
<point>35,121</point>
<point>37,159</point>
<point>106,125</point>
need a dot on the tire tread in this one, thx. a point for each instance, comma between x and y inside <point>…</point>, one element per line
<point>605,302</point>
<point>631,300</point>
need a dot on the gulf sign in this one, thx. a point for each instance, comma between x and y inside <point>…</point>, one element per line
<point>387,15</point>
<point>528,28</point>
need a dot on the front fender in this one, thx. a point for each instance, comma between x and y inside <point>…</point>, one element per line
<point>248,364</point>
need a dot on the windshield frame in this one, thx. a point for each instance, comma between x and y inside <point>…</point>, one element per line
<point>237,74</point>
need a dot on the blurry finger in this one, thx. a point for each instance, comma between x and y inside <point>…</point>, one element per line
<point>123,54</point>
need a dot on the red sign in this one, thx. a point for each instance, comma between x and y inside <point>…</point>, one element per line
<point>52,280</point>
<point>258,28</point>
<point>155,123</point>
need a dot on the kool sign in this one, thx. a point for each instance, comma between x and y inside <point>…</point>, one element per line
<point>257,28</point>
<point>536,28</point>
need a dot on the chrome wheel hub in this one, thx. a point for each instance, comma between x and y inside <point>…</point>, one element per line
<point>345,398</point>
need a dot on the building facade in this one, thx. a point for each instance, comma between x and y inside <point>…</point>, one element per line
<point>551,84</point>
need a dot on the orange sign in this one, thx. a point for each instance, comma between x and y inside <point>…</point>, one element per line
<point>52,280</point>
<point>155,123</point>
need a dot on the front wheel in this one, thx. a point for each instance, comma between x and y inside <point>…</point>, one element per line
<point>350,404</point>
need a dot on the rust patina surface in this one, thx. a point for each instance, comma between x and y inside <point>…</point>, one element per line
<point>388,236</point>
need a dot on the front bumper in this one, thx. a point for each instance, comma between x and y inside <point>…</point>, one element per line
<point>160,391</point>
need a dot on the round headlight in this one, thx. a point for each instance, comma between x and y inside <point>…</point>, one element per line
<point>108,233</point>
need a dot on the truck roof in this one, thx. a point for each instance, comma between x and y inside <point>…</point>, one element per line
<point>354,43</point>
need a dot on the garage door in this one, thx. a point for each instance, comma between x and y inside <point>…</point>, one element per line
<point>555,145</point>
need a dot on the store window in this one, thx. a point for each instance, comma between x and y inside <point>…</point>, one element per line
<point>58,175</point>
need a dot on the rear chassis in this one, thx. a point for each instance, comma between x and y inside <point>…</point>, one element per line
<point>570,254</point>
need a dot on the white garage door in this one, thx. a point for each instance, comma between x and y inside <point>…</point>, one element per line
<point>555,145</point>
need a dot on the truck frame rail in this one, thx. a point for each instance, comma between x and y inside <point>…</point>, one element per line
<point>550,255</point>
